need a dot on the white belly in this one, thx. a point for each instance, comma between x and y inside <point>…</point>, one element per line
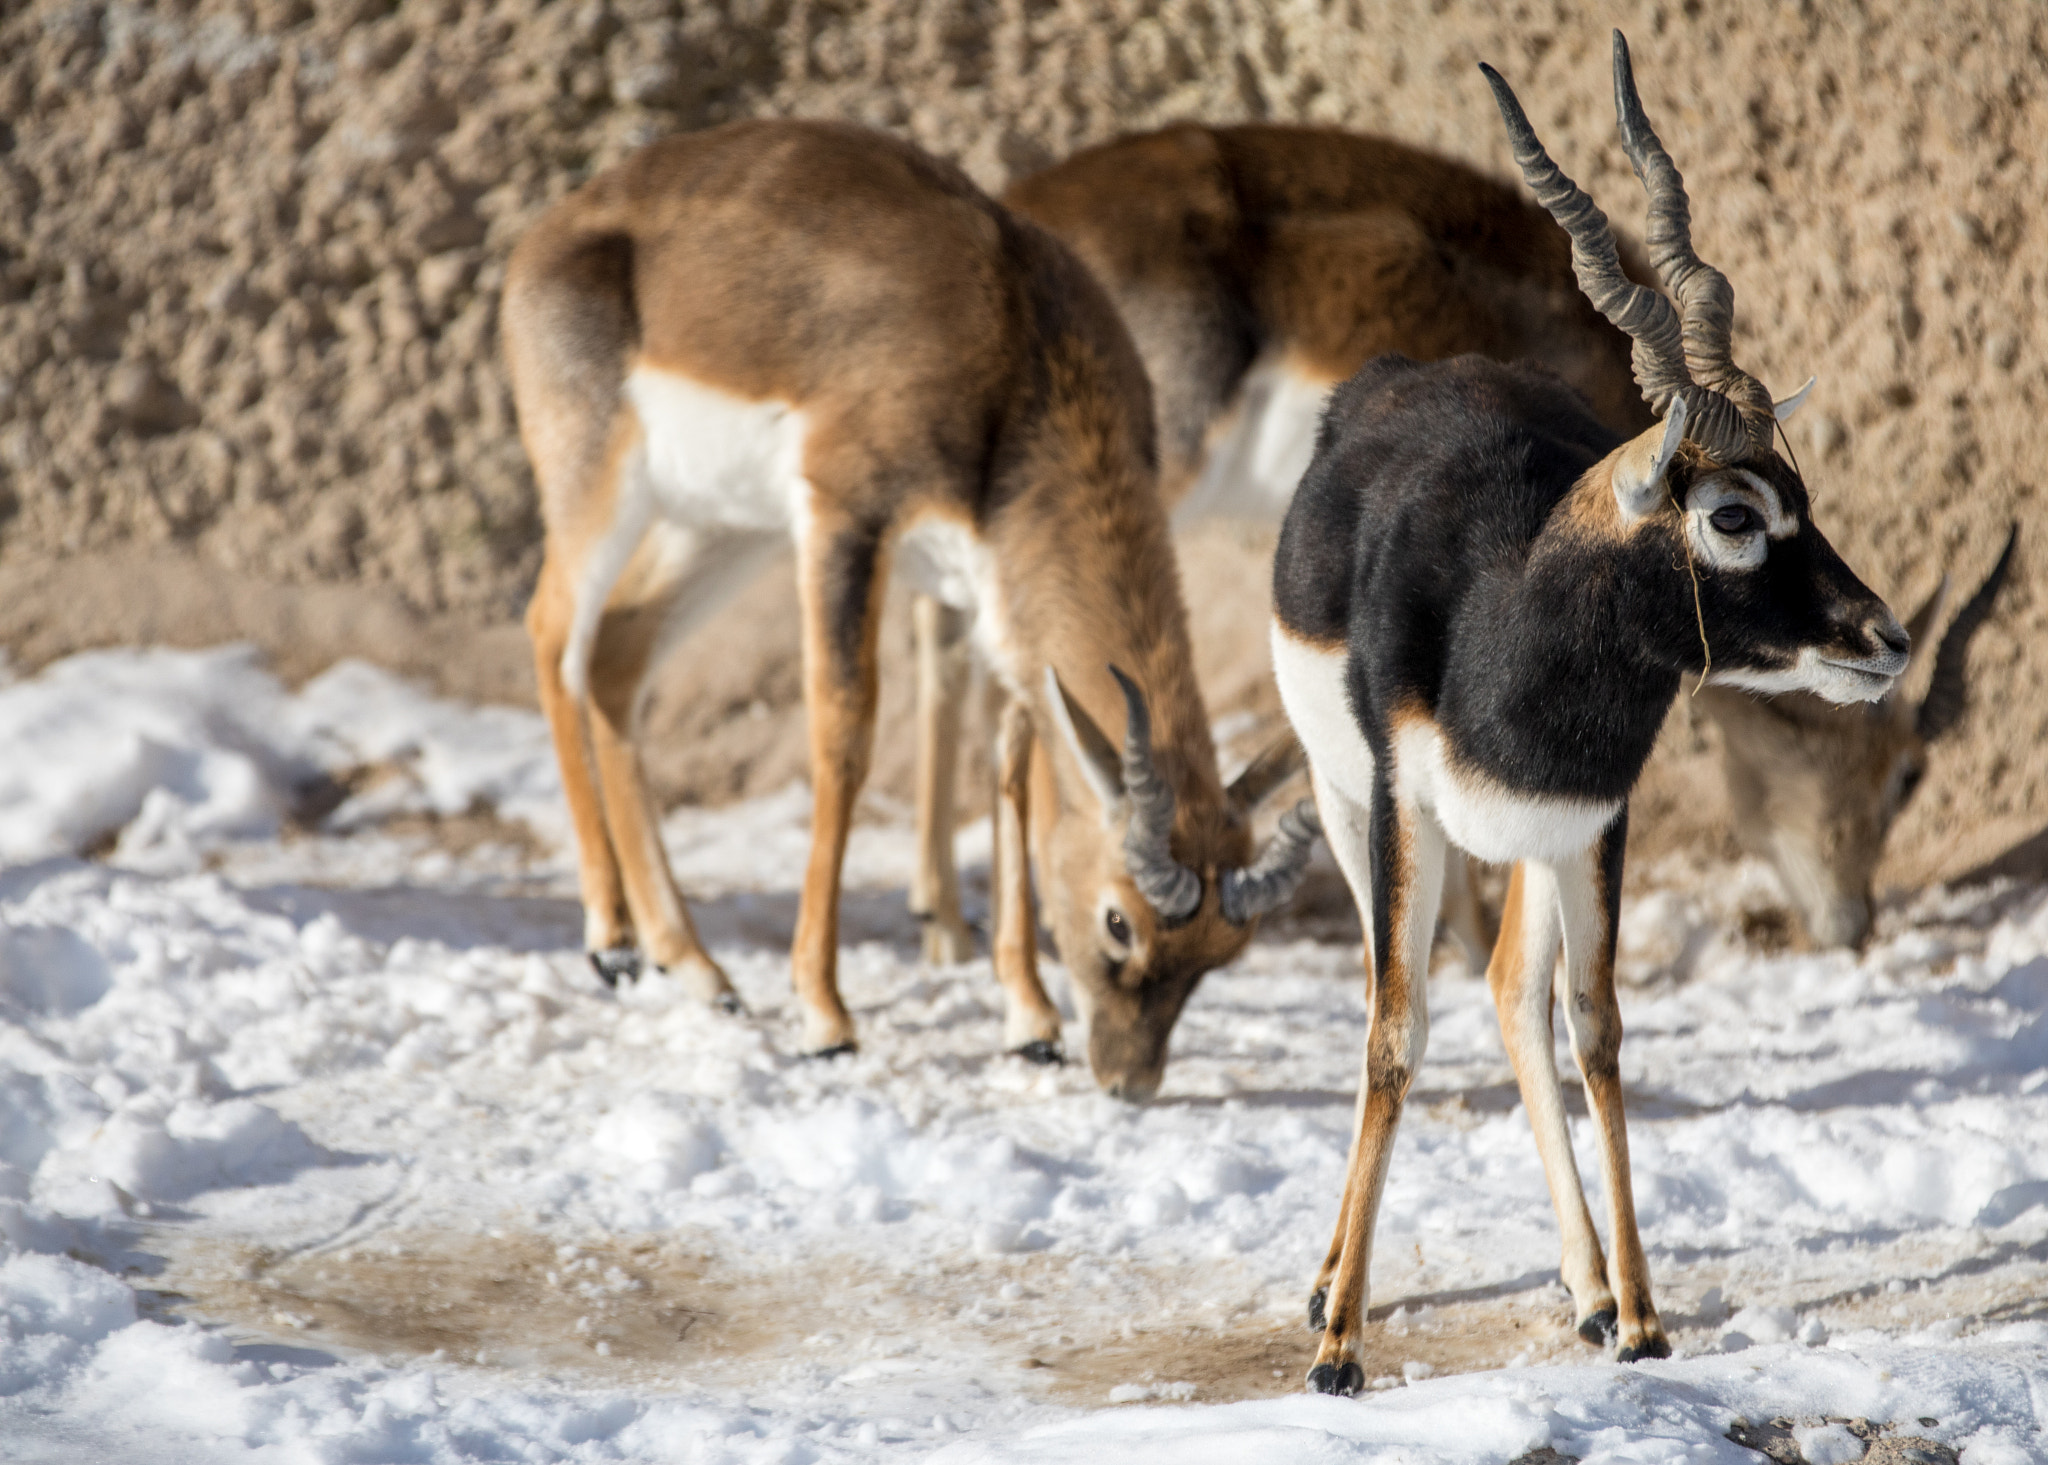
<point>1477,813</point>
<point>1258,452</point>
<point>711,460</point>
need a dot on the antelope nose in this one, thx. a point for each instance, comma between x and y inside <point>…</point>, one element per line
<point>1889,634</point>
<point>1131,1089</point>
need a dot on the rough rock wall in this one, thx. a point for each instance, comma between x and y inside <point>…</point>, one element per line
<point>250,251</point>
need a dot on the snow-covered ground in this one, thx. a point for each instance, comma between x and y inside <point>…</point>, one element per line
<point>318,1142</point>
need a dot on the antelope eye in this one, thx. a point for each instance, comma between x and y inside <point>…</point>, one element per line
<point>1119,929</point>
<point>1733,519</point>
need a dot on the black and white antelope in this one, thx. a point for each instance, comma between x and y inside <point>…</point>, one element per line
<point>782,330</point>
<point>1484,601</point>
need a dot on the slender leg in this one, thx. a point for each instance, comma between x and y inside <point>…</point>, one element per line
<point>1407,862</point>
<point>1031,1024</point>
<point>842,570</point>
<point>626,642</point>
<point>1347,825</point>
<point>941,635</point>
<point>1520,975</point>
<point>1464,915</point>
<point>607,928</point>
<point>1589,900</point>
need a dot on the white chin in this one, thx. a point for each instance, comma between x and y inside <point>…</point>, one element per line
<point>1833,680</point>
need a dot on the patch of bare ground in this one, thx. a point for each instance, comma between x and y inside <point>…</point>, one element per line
<point>622,1310</point>
<point>1067,1330</point>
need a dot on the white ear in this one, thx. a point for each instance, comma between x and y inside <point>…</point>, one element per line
<point>1639,472</point>
<point>1094,752</point>
<point>1783,410</point>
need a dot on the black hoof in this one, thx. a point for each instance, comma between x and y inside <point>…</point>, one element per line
<point>1318,1317</point>
<point>1648,1348</point>
<point>1340,1379</point>
<point>615,962</point>
<point>729,1003</point>
<point>837,1050</point>
<point>1042,1050</point>
<point>1598,1328</point>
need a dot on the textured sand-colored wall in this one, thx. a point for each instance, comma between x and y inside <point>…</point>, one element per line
<point>249,256</point>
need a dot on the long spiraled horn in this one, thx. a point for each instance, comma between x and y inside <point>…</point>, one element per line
<point>1173,890</point>
<point>1270,881</point>
<point>1650,321</point>
<point>1729,414</point>
<point>1949,692</point>
<point>1734,418</point>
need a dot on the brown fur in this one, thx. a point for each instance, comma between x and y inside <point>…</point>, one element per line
<point>946,358</point>
<point>1222,243</point>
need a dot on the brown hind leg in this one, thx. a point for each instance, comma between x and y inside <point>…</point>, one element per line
<point>1589,892</point>
<point>941,636</point>
<point>607,927</point>
<point>1520,974</point>
<point>625,646</point>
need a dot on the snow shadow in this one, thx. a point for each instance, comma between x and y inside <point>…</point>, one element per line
<point>462,920</point>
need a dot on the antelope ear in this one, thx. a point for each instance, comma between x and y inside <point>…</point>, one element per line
<point>1639,471</point>
<point>1279,761</point>
<point>1783,410</point>
<point>1093,752</point>
<point>1948,689</point>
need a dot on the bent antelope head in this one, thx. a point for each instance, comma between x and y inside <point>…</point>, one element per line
<point>1147,893</point>
<point>1815,788</point>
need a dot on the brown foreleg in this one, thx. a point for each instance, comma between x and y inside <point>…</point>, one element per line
<point>940,632</point>
<point>1589,893</point>
<point>842,570</point>
<point>1031,1024</point>
<point>1521,976</point>
<point>1406,858</point>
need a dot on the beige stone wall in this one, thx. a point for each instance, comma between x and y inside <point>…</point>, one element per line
<point>249,255</point>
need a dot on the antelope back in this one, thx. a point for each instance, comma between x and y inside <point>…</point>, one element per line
<point>1228,245</point>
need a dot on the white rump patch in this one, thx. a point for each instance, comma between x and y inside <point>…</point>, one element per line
<point>726,470</point>
<point>714,460</point>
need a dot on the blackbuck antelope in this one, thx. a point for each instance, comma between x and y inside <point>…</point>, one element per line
<point>779,331</point>
<point>1257,267</point>
<point>1814,787</point>
<point>1484,601</point>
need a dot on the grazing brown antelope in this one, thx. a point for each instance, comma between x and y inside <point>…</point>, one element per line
<point>1814,787</point>
<point>1257,267</point>
<point>782,330</point>
<point>1484,600</point>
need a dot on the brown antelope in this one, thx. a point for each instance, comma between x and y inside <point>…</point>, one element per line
<point>1484,601</point>
<point>1814,787</point>
<point>783,330</point>
<point>1257,267</point>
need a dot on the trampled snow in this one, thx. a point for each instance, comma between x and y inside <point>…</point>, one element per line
<point>322,1144</point>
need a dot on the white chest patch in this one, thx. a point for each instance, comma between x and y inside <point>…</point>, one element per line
<point>714,460</point>
<point>1484,818</point>
<point>1259,451</point>
<point>1479,815</point>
